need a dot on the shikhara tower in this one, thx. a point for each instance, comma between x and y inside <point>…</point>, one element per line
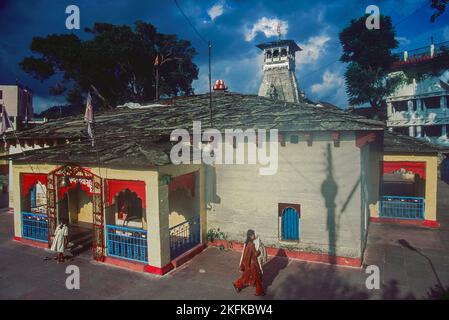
<point>279,78</point>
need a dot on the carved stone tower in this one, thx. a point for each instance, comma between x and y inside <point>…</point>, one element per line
<point>279,79</point>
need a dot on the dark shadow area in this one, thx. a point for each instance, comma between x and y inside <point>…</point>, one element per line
<point>272,269</point>
<point>329,190</point>
<point>439,291</point>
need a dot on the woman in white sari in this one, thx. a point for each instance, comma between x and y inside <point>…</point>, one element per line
<point>60,241</point>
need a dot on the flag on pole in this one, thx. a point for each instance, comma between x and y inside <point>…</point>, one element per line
<point>6,124</point>
<point>156,61</point>
<point>89,118</point>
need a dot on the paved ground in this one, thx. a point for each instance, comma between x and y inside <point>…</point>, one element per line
<point>405,273</point>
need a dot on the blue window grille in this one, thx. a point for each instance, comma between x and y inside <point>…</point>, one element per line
<point>35,226</point>
<point>127,243</point>
<point>409,208</point>
<point>184,236</point>
<point>290,224</point>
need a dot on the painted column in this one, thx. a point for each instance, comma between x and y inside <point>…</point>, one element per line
<point>418,105</point>
<point>157,220</point>
<point>389,109</point>
<point>443,103</point>
<point>419,131</point>
<point>411,131</point>
<point>444,131</point>
<point>410,105</point>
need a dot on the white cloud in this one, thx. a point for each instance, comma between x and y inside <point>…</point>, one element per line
<point>331,88</point>
<point>312,49</point>
<point>216,10</point>
<point>403,41</point>
<point>267,26</point>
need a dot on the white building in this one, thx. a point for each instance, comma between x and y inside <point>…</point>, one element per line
<point>18,101</point>
<point>420,107</point>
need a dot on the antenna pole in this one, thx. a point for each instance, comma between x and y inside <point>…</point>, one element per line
<point>210,85</point>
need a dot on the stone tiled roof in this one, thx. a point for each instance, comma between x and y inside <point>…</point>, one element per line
<point>140,136</point>
<point>399,143</point>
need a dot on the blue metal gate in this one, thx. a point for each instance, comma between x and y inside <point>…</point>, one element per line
<point>290,224</point>
<point>444,170</point>
<point>410,208</point>
<point>127,243</point>
<point>35,226</point>
<point>184,236</point>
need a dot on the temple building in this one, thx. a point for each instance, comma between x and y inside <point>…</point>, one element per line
<point>419,108</point>
<point>143,212</point>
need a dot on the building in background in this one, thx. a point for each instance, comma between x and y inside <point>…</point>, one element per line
<point>279,78</point>
<point>18,101</point>
<point>420,107</point>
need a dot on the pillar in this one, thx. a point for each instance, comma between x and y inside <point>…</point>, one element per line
<point>410,105</point>
<point>444,131</point>
<point>419,131</point>
<point>411,131</point>
<point>418,105</point>
<point>157,221</point>
<point>389,109</point>
<point>443,103</point>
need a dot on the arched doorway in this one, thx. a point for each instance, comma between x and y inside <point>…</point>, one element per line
<point>70,177</point>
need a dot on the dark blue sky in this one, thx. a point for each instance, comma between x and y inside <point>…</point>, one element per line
<point>234,27</point>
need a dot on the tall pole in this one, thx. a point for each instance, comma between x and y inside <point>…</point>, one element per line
<point>157,82</point>
<point>210,86</point>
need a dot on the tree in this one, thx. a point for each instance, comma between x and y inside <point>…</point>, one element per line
<point>440,6</point>
<point>118,61</point>
<point>369,57</point>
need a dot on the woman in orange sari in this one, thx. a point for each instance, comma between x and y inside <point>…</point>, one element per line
<point>249,265</point>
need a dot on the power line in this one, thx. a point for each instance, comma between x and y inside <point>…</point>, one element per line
<point>190,22</point>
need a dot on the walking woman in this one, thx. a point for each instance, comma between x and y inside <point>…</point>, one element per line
<point>60,241</point>
<point>250,266</point>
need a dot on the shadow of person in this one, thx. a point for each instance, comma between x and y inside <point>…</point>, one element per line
<point>329,190</point>
<point>272,268</point>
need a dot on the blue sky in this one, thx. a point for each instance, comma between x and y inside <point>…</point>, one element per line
<point>234,27</point>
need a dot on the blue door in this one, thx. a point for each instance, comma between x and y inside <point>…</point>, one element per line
<point>290,224</point>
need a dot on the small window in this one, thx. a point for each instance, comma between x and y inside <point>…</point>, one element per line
<point>1,94</point>
<point>269,54</point>
<point>289,219</point>
<point>275,53</point>
<point>283,52</point>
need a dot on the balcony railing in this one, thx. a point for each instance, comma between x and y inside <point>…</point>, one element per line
<point>127,243</point>
<point>423,53</point>
<point>408,208</point>
<point>35,226</point>
<point>184,236</point>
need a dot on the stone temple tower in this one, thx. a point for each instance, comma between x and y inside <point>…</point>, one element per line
<point>279,79</point>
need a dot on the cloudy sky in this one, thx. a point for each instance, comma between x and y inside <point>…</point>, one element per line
<point>234,27</point>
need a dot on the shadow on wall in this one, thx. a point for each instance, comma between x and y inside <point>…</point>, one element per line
<point>211,187</point>
<point>182,206</point>
<point>329,190</point>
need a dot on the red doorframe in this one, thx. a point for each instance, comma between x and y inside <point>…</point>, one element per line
<point>417,167</point>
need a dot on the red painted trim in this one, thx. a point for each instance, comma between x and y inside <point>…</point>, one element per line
<point>412,166</point>
<point>30,179</point>
<point>300,255</point>
<point>179,261</point>
<point>185,181</point>
<point>132,265</point>
<point>114,187</point>
<point>283,206</point>
<point>32,243</point>
<point>418,223</point>
<point>363,138</point>
<point>157,270</point>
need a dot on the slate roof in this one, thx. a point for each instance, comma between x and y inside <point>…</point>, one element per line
<point>399,143</point>
<point>140,136</point>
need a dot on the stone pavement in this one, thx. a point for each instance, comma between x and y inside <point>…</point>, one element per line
<point>405,274</point>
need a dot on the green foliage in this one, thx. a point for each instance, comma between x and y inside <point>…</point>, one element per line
<point>216,234</point>
<point>369,57</point>
<point>117,59</point>
<point>440,6</point>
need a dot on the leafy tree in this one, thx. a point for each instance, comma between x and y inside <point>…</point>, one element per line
<point>115,60</point>
<point>440,6</point>
<point>369,57</point>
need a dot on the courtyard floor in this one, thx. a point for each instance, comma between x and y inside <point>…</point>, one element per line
<point>405,273</point>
